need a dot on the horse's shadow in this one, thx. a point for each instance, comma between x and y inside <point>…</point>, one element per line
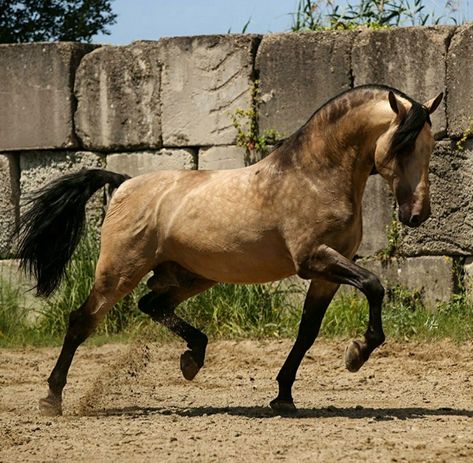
<point>377,414</point>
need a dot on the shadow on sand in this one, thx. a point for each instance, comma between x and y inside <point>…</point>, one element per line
<point>381,414</point>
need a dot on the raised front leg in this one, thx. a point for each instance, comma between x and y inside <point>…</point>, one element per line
<point>327,263</point>
<point>317,300</point>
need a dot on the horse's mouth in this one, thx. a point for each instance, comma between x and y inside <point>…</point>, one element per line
<point>412,219</point>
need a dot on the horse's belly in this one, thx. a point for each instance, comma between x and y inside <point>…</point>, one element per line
<point>247,262</point>
<point>231,268</point>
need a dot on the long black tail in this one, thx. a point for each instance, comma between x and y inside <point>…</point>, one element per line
<point>51,228</point>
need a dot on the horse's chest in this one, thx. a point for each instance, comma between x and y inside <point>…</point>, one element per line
<point>339,230</point>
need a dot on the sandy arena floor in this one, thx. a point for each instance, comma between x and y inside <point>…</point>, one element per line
<point>409,403</point>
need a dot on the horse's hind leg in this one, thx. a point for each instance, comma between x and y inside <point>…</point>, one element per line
<point>318,298</point>
<point>106,292</point>
<point>172,285</point>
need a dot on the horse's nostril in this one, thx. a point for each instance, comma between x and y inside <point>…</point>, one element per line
<point>415,220</point>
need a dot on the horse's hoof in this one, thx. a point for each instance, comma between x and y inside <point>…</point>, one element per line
<point>353,356</point>
<point>189,366</point>
<point>50,406</point>
<point>283,407</point>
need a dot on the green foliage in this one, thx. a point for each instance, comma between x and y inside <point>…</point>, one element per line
<point>404,317</point>
<point>246,123</point>
<point>54,20</point>
<point>393,232</point>
<point>228,311</point>
<point>13,317</point>
<point>245,310</point>
<point>316,15</point>
<point>467,133</point>
<point>244,30</point>
<point>75,289</point>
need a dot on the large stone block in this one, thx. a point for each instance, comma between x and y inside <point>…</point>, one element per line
<point>36,95</point>
<point>205,80</point>
<point>377,216</point>
<point>140,163</point>
<point>411,59</point>
<point>40,168</point>
<point>449,231</point>
<point>299,72</point>
<point>460,81</point>
<point>9,201</point>
<point>117,90</point>
<point>430,276</point>
<point>222,157</point>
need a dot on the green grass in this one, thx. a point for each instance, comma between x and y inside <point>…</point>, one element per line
<point>239,311</point>
<point>226,311</point>
<point>13,318</point>
<point>404,318</point>
<point>74,290</point>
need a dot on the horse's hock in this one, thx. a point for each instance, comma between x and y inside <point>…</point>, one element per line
<point>168,104</point>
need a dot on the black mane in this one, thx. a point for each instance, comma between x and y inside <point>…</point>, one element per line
<point>403,139</point>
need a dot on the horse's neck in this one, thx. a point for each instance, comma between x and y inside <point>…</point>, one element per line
<point>335,153</point>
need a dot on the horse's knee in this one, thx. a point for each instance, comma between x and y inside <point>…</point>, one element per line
<point>373,289</point>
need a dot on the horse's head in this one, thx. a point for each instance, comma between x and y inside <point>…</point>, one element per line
<point>402,156</point>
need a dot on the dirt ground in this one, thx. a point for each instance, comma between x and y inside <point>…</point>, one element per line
<point>129,403</point>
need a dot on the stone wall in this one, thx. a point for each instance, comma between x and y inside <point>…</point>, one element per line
<point>168,104</point>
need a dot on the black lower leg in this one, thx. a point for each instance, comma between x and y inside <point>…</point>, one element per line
<point>80,327</point>
<point>308,331</point>
<point>160,307</point>
<point>358,352</point>
<point>315,307</point>
<point>374,335</point>
<point>337,268</point>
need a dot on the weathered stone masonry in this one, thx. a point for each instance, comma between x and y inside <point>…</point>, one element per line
<point>168,104</point>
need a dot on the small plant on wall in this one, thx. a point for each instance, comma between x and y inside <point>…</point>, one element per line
<point>393,235</point>
<point>248,134</point>
<point>467,133</point>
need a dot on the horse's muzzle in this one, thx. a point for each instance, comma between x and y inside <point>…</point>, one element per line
<point>413,217</point>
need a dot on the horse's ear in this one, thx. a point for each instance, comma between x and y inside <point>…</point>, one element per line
<point>433,104</point>
<point>396,106</point>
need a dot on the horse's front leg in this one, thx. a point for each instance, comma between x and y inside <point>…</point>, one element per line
<point>329,264</point>
<point>317,300</point>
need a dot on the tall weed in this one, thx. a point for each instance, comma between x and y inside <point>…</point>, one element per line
<point>13,317</point>
<point>335,14</point>
<point>404,317</point>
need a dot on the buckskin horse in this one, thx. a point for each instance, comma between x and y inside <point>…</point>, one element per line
<point>297,211</point>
